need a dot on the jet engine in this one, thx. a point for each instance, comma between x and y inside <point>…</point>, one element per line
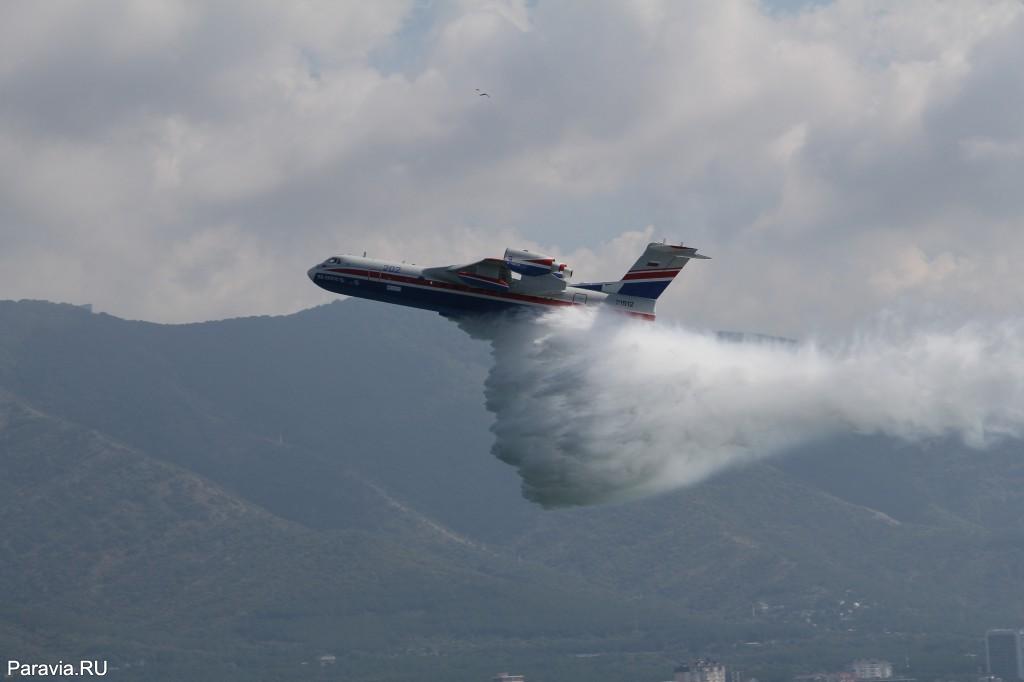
<point>531,264</point>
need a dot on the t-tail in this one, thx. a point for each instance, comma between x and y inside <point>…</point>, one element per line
<point>655,270</point>
<point>648,278</point>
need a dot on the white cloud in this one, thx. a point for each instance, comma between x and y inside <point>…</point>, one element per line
<point>829,159</point>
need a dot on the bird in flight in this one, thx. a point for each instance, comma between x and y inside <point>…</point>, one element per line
<point>481,93</point>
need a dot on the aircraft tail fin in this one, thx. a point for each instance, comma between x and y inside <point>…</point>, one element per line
<point>655,270</point>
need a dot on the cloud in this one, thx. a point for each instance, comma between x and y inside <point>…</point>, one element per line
<point>591,409</point>
<point>831,157</point>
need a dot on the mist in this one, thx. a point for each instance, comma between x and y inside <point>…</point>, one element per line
<point>593,408</point>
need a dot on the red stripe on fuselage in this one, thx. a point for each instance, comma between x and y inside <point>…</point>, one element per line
<point>436,284</point>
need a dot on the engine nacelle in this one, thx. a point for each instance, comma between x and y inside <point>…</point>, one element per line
<point>531,264</point>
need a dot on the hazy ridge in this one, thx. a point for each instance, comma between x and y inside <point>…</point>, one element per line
<point>232,498</point>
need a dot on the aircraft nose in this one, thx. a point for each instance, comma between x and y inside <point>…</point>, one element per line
<point>311,273</point>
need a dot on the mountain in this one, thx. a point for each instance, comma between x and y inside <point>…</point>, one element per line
<point>234,499</point>
<point>112,553</point>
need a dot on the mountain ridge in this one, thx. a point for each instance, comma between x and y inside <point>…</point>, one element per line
<point>359,435</point>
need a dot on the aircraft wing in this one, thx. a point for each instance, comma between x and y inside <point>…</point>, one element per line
<point>489,273</point>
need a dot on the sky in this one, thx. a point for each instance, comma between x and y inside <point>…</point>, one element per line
<point>841,162</point>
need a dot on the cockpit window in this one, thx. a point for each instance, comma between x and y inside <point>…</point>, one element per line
<point>333,260</point>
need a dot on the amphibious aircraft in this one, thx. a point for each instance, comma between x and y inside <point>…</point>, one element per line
<point>520,280</point>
